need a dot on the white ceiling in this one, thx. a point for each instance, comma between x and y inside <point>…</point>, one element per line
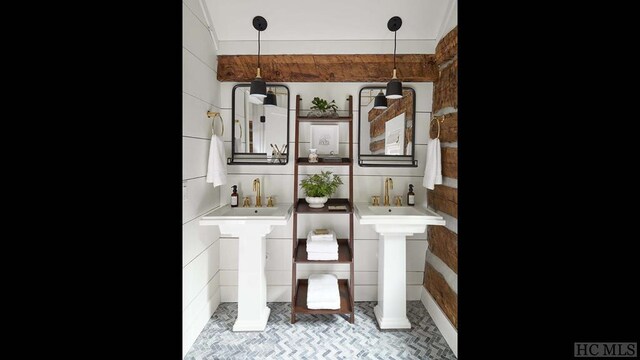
<point>328,26</point>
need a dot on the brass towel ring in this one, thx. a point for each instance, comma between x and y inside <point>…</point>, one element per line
<point>437,122</point>
<point>213,114</point>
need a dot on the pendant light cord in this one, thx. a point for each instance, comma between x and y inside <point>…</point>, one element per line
<point>394,50</point>
<point>259,49</point>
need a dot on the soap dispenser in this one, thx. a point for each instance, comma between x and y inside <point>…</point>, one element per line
<point>411,197</point>
<point>234,196</point>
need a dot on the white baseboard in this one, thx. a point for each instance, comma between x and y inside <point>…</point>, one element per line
<point>447,329</point>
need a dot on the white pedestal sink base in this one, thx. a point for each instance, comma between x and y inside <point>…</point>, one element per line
<point>253,325</point>
<point>391,311</point>
<point>393,224</point>
<point>253,312</point>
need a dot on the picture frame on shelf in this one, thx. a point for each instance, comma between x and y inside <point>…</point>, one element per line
<point>325,138</point>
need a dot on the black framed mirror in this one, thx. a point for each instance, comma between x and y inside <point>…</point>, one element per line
<point>260,131</point>
<point>385,135</point>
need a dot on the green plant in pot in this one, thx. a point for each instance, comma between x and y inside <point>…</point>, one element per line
<point>319,187</point>
<point>322,108</point>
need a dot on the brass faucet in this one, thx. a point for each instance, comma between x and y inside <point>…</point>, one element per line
<point>270,201</point>
<point>387,182</point>
<point>256,188</point>
<point>246,202</point>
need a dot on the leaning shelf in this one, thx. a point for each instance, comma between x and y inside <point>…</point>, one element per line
<point>345,245</point>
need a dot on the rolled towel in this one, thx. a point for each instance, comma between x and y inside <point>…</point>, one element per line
<point>322,256</point>
<point>323,292</point>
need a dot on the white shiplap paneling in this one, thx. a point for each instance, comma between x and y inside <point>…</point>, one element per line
<point>193,73</point>
<point>199,272</point>
<point>197,39</point>
<point>195,154</point>
<point>210,294</point>
<point>200,245</point>
<point>196,238</point>
<point>195,122</point>
<point>201,198</point>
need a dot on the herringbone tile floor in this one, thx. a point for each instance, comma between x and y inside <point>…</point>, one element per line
<point>320,337</point>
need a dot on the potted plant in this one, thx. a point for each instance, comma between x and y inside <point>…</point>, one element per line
<point>318,187</point>
<point>322,108</point>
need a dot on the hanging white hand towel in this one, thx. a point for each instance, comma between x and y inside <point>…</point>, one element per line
<point>433,166</point>
<point>217,166</point>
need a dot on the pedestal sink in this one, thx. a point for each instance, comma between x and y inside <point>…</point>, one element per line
<point>251,226</point>
<point>393,224</point>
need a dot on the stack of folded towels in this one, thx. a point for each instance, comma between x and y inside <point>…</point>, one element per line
<point>322,244</point>
<point>323,292</point>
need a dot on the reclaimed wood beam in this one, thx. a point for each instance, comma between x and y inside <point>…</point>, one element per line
<point>328,68</point>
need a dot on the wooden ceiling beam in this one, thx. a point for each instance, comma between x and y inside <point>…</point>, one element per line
<point>328,68</point>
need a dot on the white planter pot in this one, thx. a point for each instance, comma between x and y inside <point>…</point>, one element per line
<point>316,202</point>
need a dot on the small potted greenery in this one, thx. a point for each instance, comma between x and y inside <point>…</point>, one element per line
<point>322,108</point>
<point>318,187</point>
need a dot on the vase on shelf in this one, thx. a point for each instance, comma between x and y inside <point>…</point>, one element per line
<point>316,202</point>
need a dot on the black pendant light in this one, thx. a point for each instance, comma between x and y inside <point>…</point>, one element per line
<point>270,100</point>
<point>380,102</point>
<point>394,87</point>
<point>258,86</point>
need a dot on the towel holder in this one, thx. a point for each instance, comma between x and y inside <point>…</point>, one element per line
<point>437,122</point>
<point>213,114</point>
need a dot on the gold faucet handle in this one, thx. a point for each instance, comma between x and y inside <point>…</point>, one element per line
<point>269,201</point>
<point>246,202</point>
<point>398,200</point>
<point>375,200</point>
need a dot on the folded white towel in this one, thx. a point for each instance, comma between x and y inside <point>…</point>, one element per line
<point>323,292</point>
<point>322,246</point>
<point>217,164</point>
<point>433,166</point>
<point>322,255</point>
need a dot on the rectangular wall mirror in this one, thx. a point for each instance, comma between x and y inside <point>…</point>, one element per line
<point>260,131</point>
<point>386,136</point>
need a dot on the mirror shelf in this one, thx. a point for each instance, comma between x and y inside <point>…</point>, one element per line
<point>385,136</point>
<point>260,133</point>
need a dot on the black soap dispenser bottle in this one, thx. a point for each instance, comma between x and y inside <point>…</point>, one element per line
<point>411,197</point>
<point>234,196</point>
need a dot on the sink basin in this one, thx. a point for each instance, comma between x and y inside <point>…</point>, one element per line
<point>277,215</point>
<point>400,215</point>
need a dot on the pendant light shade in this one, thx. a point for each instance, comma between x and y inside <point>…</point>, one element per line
<point>394,87</point>
<point>270,100</point>
<point>258,86</point>
<point>258,89</point>
<point>380,102</point>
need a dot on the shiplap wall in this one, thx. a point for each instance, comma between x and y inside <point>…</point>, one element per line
<point>278,181</point>
<point>200,244</point>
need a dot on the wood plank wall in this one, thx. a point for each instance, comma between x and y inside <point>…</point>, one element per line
<point>443,242</point>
